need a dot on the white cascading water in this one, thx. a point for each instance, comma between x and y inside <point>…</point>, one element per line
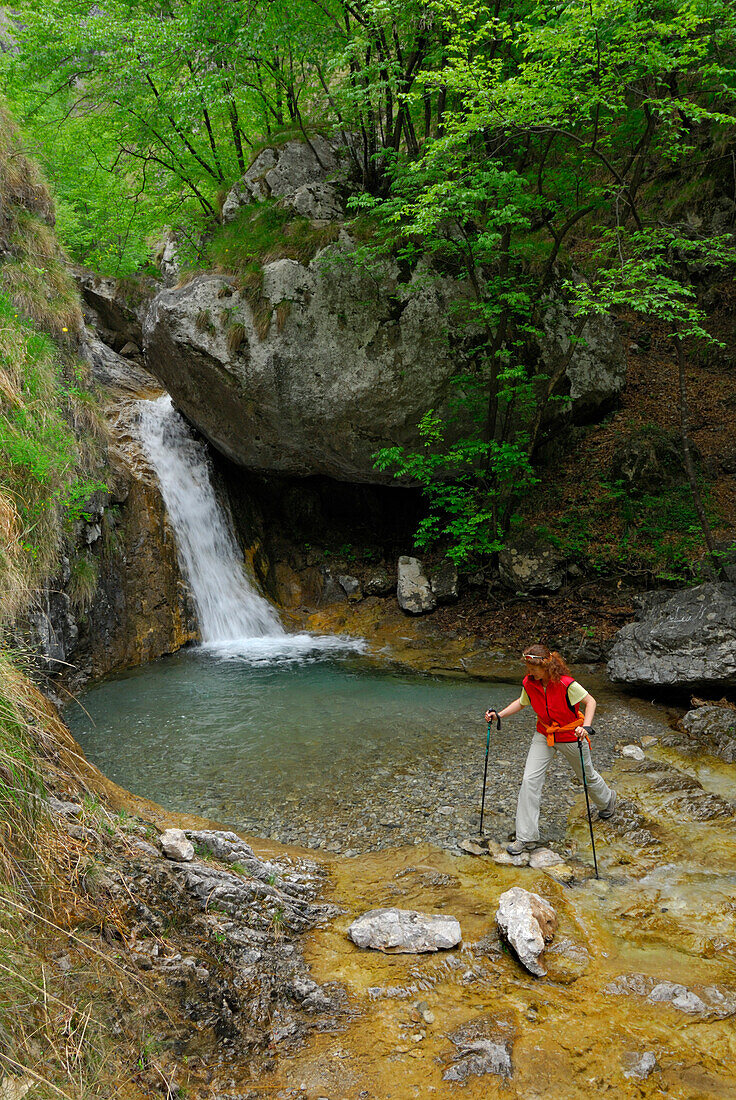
<point>232,615</point>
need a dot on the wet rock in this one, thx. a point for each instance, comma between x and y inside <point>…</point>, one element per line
<point>679,996</point>
<point>351,587</point>
<point>544,857</point>
<point>413,590</point>
<point>477,1058</point>
<point>405,931</point>
<point>505,859</point>
<point>527,922</point>
<point>176,846</point>
<point>566,961</point>
<point>473,848</point>
<point>483,1046</point>
<point>561,872</point>
<point>639,1065</point>
<point>714,725</point>
<point>707,1001</point>
<point>633,752</point>
<point>685,638</point>
<point>648,742</point>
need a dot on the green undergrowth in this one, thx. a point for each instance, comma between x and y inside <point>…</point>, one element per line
<point>614,532</point>
<point>259,234</point>
<point>263,232</point>
<point>50,448</point>
<point>51,430</point>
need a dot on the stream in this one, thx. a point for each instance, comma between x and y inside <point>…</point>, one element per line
<point>312,741</point>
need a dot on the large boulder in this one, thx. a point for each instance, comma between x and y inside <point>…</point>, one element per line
<point>327,364</point>
<point>313,367</point>
<point>304,176</point>
<point>347,365</point>
<point>683,639</point>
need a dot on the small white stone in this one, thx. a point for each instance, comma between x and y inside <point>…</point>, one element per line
<point>176,846</point>
<point>633,752</point>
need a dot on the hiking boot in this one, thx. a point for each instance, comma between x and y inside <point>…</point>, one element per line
<point>610,807</point>
<point>516,847</point>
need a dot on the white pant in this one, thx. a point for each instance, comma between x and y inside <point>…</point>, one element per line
<point>538,760</point>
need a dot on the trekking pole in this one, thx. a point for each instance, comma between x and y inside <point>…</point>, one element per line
<point>587,803</point>
<point>485,769</point>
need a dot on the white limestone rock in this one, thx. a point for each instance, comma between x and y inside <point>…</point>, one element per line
<point>176,846</point>
<point>527,922</point>
<point>405,931</point>
<point>413,589</point>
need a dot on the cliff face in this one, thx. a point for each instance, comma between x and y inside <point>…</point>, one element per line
<point>88,567</point>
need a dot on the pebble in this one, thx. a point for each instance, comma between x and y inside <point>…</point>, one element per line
<point>648,742</point>
<point>407,799</point>
<point>633,752</point>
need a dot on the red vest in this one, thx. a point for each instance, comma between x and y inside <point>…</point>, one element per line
<point>552,705</point>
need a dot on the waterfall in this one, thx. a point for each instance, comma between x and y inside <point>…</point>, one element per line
<point>228,606</point>
<point>233,617</point>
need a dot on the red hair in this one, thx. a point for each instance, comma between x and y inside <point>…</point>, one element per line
<point>550,660</point>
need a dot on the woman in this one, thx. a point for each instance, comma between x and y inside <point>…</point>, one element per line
<point>555,697</point>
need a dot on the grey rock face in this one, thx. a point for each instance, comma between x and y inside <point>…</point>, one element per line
<point>413,591</point>
<point>113,308</point>
<point>596,372</point>
<point>715,727</point>
<point>176,846</point>
<point>527,922</point>
<point>683,638</point>
<point>528,568</point>
<point>405,931</point>
<point>113,371</point>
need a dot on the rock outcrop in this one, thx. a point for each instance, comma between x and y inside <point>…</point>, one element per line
<point>682,639</point>
<point>309,178</point>
<point>348,365</point>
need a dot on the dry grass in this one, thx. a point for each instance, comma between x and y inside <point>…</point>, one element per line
<point>236,337</point>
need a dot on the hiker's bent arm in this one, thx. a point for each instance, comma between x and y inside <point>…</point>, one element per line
<point>589,703</point>
<point>512,708</point>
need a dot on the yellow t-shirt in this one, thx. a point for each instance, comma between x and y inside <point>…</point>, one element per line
<point>575,693</point>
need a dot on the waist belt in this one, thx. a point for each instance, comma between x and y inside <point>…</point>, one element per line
<point>563,734</point>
